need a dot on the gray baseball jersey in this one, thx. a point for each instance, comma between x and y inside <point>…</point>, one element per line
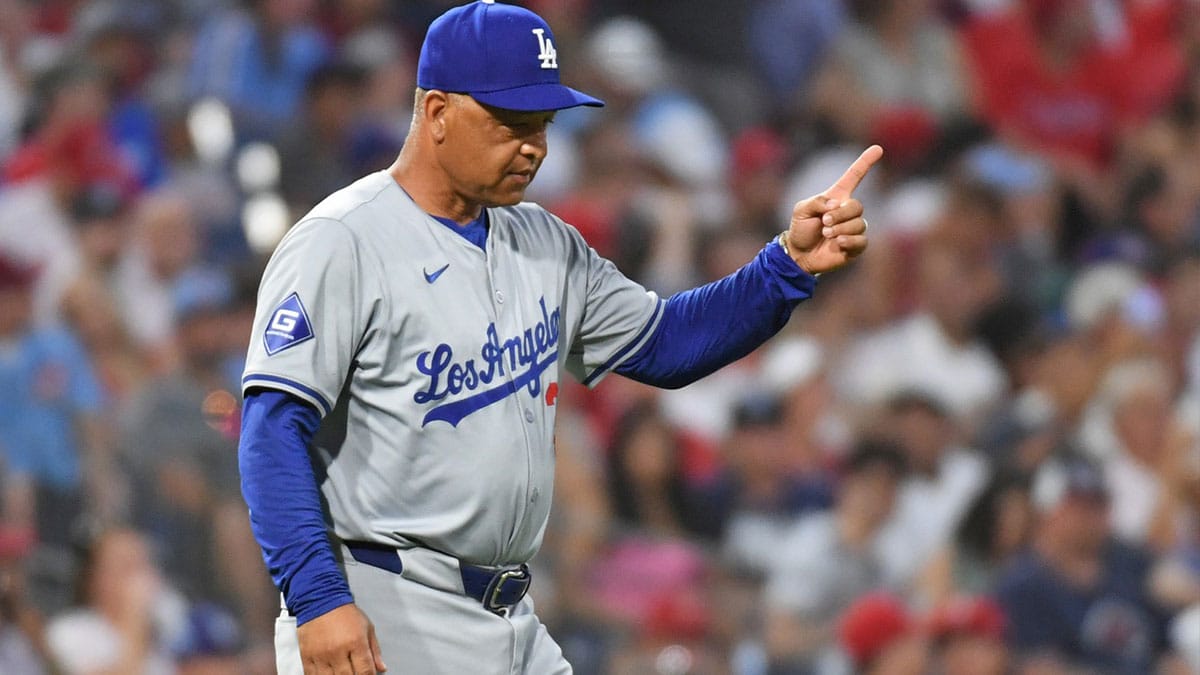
<point>436,363</point>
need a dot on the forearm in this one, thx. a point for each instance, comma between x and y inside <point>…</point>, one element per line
<point>285,504</point>
<point>716,324</point>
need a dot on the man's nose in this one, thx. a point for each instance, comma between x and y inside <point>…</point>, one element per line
<point>535,146</point>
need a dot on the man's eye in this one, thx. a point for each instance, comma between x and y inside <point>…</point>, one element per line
<point>526,127</point>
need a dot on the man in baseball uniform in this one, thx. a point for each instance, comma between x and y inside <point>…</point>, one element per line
<point>397,448</point>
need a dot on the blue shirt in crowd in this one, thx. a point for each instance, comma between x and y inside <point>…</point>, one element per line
<point>46,381</point>
<point>1112,627</point>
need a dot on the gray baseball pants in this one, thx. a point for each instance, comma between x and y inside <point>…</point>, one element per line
<point>426,631</point>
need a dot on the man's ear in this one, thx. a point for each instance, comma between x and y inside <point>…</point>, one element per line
<point>436,108</point>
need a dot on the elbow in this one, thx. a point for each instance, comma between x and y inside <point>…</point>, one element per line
<point>674,380</point>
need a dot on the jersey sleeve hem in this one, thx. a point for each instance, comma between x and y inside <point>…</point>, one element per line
<point>788,272</point>
<point>267,381</point>
<point>594,378</point>
<point>322,608</point>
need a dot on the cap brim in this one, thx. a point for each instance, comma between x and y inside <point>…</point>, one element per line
<point>536,97</point>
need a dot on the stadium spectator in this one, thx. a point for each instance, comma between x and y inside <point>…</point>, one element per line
<point>375,45</point>
<point>881,637</point>
<point>993,531</point>
<point>119,47</point>
<point>71,145</point>
<point>816,432</point>
<point>765,487</point>
<point>1020,200</point>
<point>575,537</point>
<point>649,579</point>
<point>943,480</point>
<point>676,132</point>
<point>787,65</point>
<point>100,218</point>
<point>829,559</point>
<point>1143,467</point>
<point>52,428</point>
<point>1157,226</point>
<point>67,148</point>
<point>936,349</point>
<point>1050,78</point>
<point>1077,599</point>
<point>899,63</point>
<point>758,164</point>
<point>164,245</point>
<point>112,628</point>
<point>1059,375</point>
<point>257,61</point>
<point>179,440</point>
<point>967,635</point>
<point>610,177</point>
<point>314,153</point>
<point>646,486</point>
<point>99,214</point>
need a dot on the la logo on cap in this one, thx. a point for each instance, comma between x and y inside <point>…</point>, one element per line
<point>485,50</point>
<point>546,52</point>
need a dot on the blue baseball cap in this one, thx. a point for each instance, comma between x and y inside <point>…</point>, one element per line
<point>500,55</point>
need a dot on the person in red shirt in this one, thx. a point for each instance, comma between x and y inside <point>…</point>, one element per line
<point>1051,79</point>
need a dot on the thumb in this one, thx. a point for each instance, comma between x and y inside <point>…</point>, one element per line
<point>805,228</point>
<point>813,207</point>
<point>375,651</point>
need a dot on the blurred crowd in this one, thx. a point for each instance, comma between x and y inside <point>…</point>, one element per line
<point>975,451</point>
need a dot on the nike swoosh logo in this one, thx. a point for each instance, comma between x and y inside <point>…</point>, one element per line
<point>434,277</point>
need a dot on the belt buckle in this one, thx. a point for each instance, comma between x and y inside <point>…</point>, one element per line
<point>491,597</point>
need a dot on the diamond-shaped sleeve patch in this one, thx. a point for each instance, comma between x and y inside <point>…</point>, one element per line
<point>288,327</point>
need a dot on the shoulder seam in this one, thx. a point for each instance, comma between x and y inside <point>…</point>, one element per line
<point>362,251</point>
<point>340,216</point>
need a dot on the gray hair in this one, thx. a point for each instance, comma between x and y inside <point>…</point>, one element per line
<point>419,100</point>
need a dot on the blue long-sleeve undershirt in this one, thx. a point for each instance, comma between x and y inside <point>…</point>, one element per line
<point>700,331</point>
<point>285,506</point>
<point>705,328</point>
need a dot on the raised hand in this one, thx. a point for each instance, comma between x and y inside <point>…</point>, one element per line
<point>828,230</point>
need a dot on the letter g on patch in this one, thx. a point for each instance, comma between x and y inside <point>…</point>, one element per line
<point>288,326</point>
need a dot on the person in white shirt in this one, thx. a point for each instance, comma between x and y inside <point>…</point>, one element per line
<point>112,631</point>
<point>934,350</point>
<point>829,559</point>
<point>943,480</point>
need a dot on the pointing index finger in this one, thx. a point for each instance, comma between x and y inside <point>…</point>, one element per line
<point>855,174</point>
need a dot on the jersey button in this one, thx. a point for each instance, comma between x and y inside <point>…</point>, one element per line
<point>528,415</point>
<point>500,297</point>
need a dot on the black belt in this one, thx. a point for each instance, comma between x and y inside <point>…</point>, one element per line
<point>496,589</point>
